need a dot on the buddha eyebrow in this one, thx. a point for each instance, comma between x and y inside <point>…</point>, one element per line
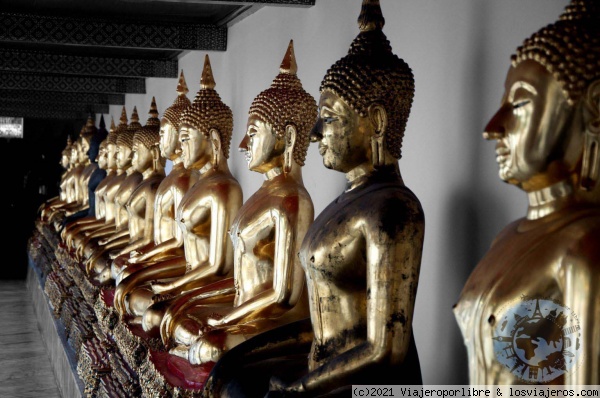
<point>518,85</point>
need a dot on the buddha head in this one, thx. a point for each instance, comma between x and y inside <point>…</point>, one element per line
<point>87,132</point>
<point>206,126</point>
<point>169,125</point>
<point>547,128</point>
<point>111,143</point>
<point>146,153</point>
<point>102,157</point>
<point>65,157</point>
<point>365,100</point>
<point>279,122</point>
<point>125,141</point>
<point>98,136</point>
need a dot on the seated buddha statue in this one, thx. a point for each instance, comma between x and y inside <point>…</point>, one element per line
<point>117,234</point>
<point>74,196</point>
<point>204,214</point>
<point>65,162</point>
<point>168,242</point>
<point>269,282</point>
<point>362,254</point>
<point>84,241</point>
<point>147,160</point>
<point>92,175</point>
<point>97,209</point>
<point>528,311</point>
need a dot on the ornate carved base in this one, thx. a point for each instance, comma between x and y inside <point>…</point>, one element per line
<point>114,358</point>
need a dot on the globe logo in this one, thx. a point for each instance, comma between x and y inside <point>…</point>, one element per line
<point>538,340</point>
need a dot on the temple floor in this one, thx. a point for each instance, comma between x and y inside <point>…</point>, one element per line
<point>25,369</point>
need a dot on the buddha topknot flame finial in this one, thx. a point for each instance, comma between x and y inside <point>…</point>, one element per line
<point>153,119</point>
<point>207,80</point>
<point>102,123</point>
<point>182,87</point>
<point>289,65</point>
<point>123,120</point>
<point>371,17</point>
<point>112,125</point>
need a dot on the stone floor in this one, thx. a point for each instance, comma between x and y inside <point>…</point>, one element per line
<point>25,369</point>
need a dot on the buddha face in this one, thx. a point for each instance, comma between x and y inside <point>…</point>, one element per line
<point>196,150</point>
<point>75,154</point>
<point>263,148</point>
<point>343,135</point>
<point>168,139</point>
<point>64,159</point>
<point>529,124</point>
<point>102,158</point>
<point>85,147</point>
<point>123,156</point>
<point>141,157</point>
<point>111,156</point>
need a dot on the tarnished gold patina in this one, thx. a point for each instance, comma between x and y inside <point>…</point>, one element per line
<point>547,145</point>
<point>204,213</point>
<point>268,279</point>
<point>362,254</point>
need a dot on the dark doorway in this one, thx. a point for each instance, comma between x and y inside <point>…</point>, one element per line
<point>31,174</point>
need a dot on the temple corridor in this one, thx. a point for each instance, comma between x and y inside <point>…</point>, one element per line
<point>25,369</point>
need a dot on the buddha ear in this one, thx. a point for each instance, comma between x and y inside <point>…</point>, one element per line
<point>290,143</point>
<point>215,140</point>
<point>378,117</point>
<point>590,168</point>
<point>155,151</point>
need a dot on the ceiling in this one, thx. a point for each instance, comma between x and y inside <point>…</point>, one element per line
<point>62,59</point>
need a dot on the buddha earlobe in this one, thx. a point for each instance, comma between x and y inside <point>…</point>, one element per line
<point>290,143</point>
<point>590,169</point>
<point>215,140</point>
<point>378,117</point>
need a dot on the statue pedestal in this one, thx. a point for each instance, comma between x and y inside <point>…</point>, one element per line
<point>95,354</point>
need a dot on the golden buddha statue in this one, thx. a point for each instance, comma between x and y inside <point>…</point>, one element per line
<point>85,240</point>
<point>92,177</point>
<point>148,161</point>
<point>65,162</point>
<point>528,312</point>
<point>204,213</point>
<point>73,183</point>
<point>270,287</point>
<point>168,242</point>
<point>362,254</point>
<point>118,234</point>
<point>78,226</point>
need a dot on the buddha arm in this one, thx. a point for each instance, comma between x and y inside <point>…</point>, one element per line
<point>393,264</point>
<point>190,298</point>
<point>217,257</point>
<point>148,232</point>
<point>288,279</point>
<point>162,247</point>
<point>167,269</point>
<point>116,235</point>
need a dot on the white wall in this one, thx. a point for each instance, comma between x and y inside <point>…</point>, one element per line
<point>459,51</point>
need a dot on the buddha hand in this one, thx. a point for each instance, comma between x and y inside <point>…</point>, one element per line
<point>206,349</point>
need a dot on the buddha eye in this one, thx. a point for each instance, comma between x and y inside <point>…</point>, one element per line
<point>328,120</point>
<point>520,104</point>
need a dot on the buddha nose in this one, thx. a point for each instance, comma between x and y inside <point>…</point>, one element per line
<point>495,128</point>
<point>243,147</point>
<point>316,134</point>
